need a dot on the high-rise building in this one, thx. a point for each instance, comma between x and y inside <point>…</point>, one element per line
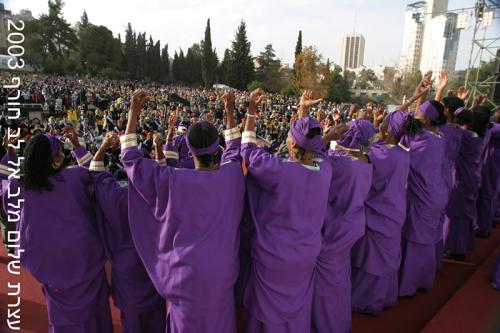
<point>413,37</point>
<point>5,15</point>
<point>440,47</point>
<point>353,51</point>
<point>430,39</point>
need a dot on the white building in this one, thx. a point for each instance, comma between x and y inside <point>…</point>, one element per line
<point>439,51</point>
<point>430,40</point>
<point>412,37</point>
<point>353,51</point>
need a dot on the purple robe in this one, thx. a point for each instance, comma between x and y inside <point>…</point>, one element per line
<point>453,138</point>
<point>495,274</point>
<point>287,204</point>
<point>490,183</point>
<point>377,255</point>
<point>461,209</point>
<point>62,250</point>
<point>185,227</point>
<point>426,198</point>
<point>178,154</point>
<point>344,225</point>
<point>142,309</point>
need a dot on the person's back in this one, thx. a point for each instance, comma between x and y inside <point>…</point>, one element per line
<point>60,242</point>
<point>185,227</point>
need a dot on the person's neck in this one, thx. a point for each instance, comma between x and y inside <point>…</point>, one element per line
<point>206,168</point>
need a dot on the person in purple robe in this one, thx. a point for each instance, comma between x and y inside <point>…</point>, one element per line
<point>142,308</point>
<point>176,150</point>
<point>453,137</point>
<point>425,200</point>
<point>377,255</point>
<point>184,223</point>
<point>490,178</point>
<point>287,202</point>
<point>495,274</point>
<point>61,247</point>
<point>462,207</point>
<point>344,225</point>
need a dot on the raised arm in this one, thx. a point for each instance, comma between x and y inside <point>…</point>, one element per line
<point>10,143</point>
<point>170,152</point>
<point>81,155</point>
<point>418,94</point>
<point>146,176</point>
<point>306,102</point>
<point>443,81</point>
<point>232,133</point>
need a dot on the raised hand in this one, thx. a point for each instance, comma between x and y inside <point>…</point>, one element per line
<point>70,133</point>
<point>157,140</point>
<point>480,99</point>
<point>110,140</point>
<point>139,99</point>
<point>8,142</point>
<point>171,128</point>
<point>256,98</point>
<point>335,133</point>
<point>229,99</point>
<point>463,93</point>
<point>442,80</point>
<point>307,101</point>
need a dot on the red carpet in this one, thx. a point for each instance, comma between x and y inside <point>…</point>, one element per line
<point>461,300</point>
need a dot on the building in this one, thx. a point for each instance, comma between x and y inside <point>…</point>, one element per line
<point>412,37</point>
<point>353,51</point>
<point>440,48</point>
<point>5,15</point>
<point>430,40</point>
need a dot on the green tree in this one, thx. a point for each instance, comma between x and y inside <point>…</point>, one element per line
<point>130,51</point>
<point>270,71</point>
<point>366,79</point>
<point>209,60</point>
<point>55,38</point>
<point>241,68</point>
<point>165,63</point>
<point>225,67</point>
<point>298,46</point>
<point>338,91</point>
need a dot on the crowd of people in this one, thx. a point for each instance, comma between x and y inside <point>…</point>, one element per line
<point>204,202</point>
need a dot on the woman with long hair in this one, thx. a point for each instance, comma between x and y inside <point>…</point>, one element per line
<point>426,199</point>
<point>59,236</point>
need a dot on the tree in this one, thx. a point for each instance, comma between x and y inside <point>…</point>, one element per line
<point>225,67</point>
<point>366,79</point>
<point>311,72</point>
<point>84,21</point>
<point>338,91</point>
<point>298,46</point>
<point>53,38</point>
<point>241,67</point>
<point>209,60</point>
<point>165,63</point>
<point>270,73</point>
<point>129,51</point>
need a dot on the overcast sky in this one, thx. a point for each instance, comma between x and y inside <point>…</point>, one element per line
<point>180,23</point>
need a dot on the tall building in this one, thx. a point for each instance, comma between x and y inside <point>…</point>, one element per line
<point>5,15</point>
<point>440,48</point>
<point>413,37</point>
<point>430,40</point>
<point>353,51</point>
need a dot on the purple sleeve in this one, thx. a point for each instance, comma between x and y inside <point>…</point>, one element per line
<point>6,166</point>
<point>108,192</point>
<point>233,144</point>
<point>171,155</point>
<point>263,166</point>
<point>149,179</point>
<point>83,157</point>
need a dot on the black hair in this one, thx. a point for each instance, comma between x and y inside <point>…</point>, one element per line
<point>310,134</point>
<point>442,117</point>
<point>37,166</point>
<point>412,126</point>
<point>453,103</point>
<point>480,120</point>
<point>203,135</point>
<point>464,117</point>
